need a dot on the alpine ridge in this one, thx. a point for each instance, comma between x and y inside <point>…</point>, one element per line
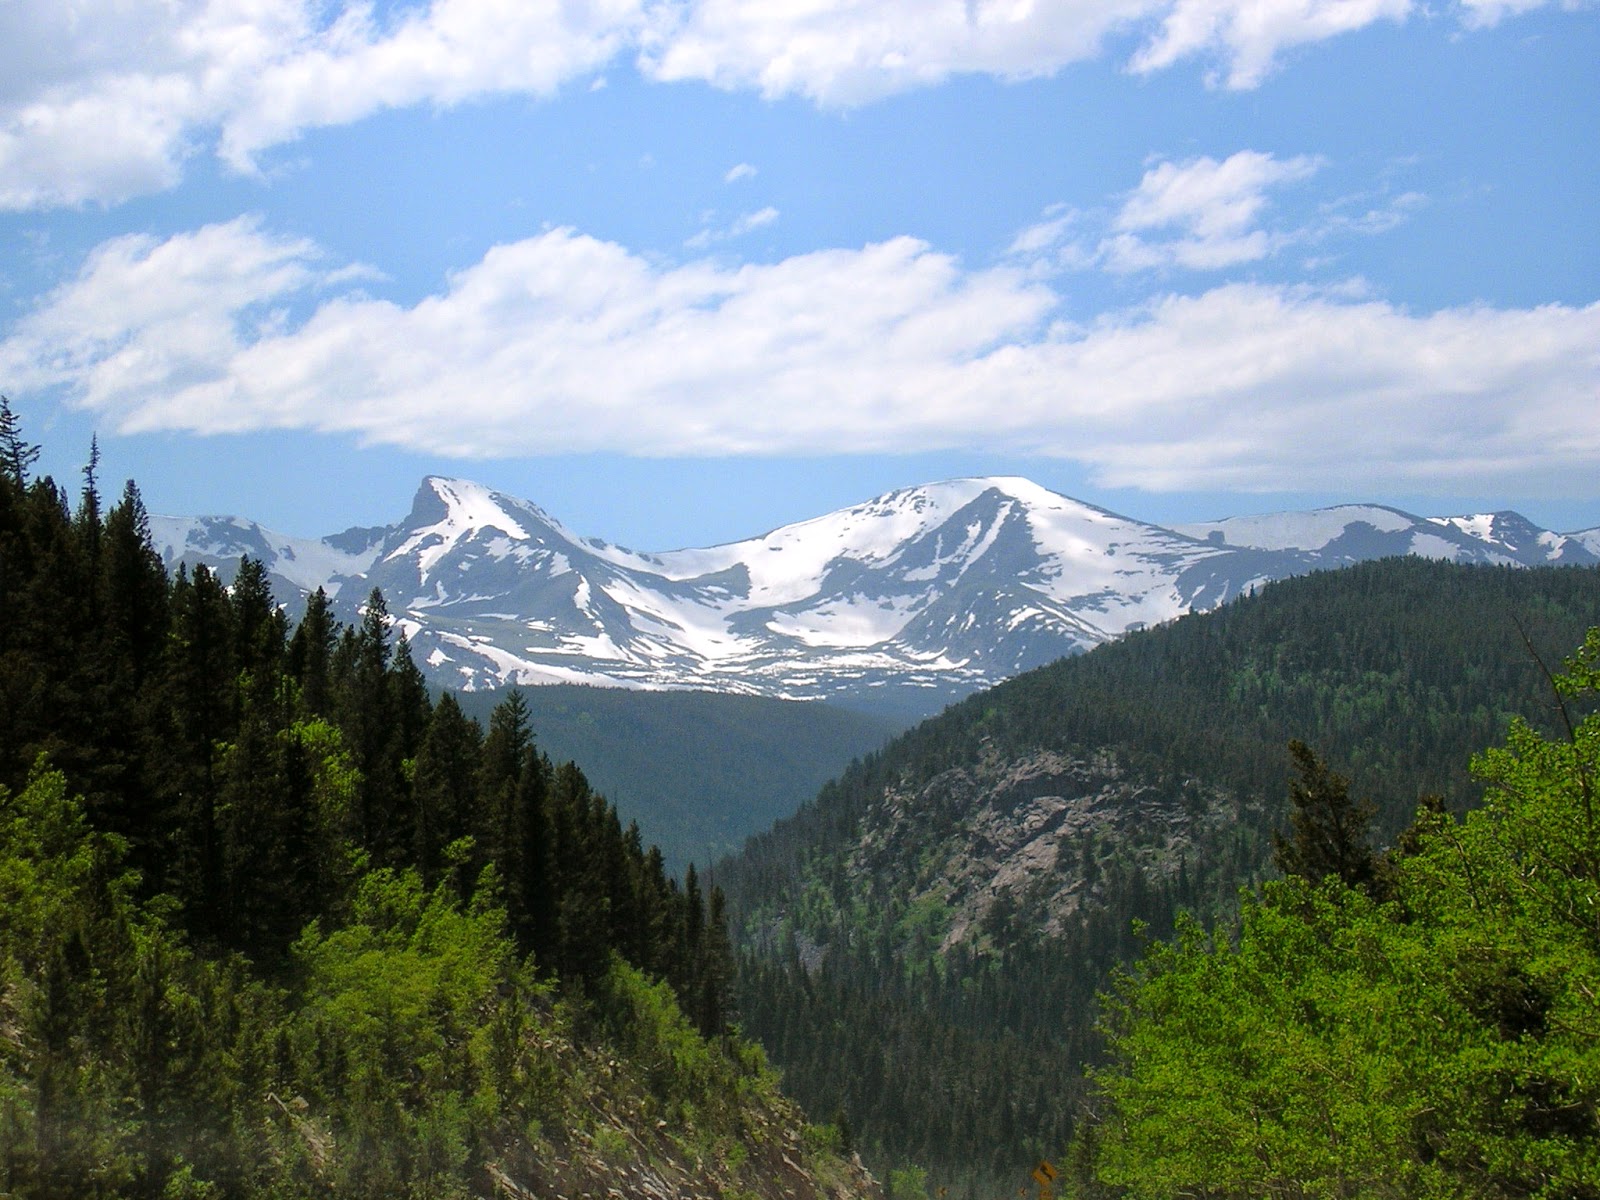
<point>903,602</point>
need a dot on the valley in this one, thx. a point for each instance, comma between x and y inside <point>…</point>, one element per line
<point>294,826</point>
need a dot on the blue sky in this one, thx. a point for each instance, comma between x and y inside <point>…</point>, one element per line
<point>683,271</point>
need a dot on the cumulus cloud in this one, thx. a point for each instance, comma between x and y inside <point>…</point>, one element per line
<point>1201,214</point>
<point>739,171</point>
<point>105,99</point>
<point>844,52</point>
<point>101,100</point>
<point>563,343</point>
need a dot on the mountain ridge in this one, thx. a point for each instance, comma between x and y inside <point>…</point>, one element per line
<point>909,599</point>
<point>963,893</point>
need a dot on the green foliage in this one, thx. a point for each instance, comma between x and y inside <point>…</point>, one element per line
<point>394,1033</point>
<point>104,1042</point>
<point>969,1060</point>
<point>249,946</point>
<point>908,1183</point>
<point>1445,1043</point>
<point>645,1019</point>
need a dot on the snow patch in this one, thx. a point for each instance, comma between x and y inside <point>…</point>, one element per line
<point>1298,531</point>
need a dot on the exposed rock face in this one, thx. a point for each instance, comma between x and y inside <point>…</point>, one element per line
<point>1024,843</point>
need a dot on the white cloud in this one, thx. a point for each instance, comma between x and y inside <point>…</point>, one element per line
<point>1203,215</point>
<point>739,171</point>
<point>1200,214</point>
<point>1481,14</point>
<point>563,343</point>
<point>101,100</point>
<point>744,223</point>
<point>845,52</point>
<point>1250,36</point>
<point>448,52</point>
<point>104,99</point>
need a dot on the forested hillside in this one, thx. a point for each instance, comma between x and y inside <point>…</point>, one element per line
<point>273,922</point>
<point>923,944</point>
<point>1422,1023</point>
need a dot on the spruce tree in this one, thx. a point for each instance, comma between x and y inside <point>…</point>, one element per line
<point>198,678</point>
<point>443,787</point>
<point>1328,830</point>
<point>364,716</point>
<point>16,455</point>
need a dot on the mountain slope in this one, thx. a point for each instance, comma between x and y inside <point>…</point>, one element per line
<point>904,602</point>
<point>969,887</point>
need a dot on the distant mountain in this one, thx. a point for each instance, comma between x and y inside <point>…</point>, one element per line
<point>1589,539</point>
<point>296,567</point>
<point>1352,533</point>
<point>901,603</point>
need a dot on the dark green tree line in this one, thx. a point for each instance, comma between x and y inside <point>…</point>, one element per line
<point>274,921</point>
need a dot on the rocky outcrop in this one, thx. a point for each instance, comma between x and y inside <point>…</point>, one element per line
<point>1025,843</point>
<point>620,1141</point>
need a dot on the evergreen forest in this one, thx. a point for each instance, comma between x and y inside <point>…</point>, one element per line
<point>1424,1023</point>
<point>1318,920</point>
<point>964,1051</point>
<point>275,922</point>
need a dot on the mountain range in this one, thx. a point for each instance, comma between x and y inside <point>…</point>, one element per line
<point>901,603</point>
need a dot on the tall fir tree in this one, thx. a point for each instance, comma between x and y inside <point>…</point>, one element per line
<point>1329,832</point>
<point>310,655</point>
<point>198,684</point>
<point>443,788</point>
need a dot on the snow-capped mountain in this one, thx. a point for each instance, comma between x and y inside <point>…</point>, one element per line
<point>1348,533</point>
<point>295,566</point>
<point>940,589</point>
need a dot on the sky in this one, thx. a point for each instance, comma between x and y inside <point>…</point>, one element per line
<point>681,271</point>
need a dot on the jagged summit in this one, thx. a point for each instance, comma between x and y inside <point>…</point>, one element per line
<point>923,593</point>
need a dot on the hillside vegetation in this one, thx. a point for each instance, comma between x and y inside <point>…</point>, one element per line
<point>1424,1024</point>
<point>275,923</point>
<point>924,943</point>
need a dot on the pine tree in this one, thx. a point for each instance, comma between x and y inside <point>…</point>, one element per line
<point>714,1011</point>
<point>443,787</point>
<point>16,455</point>
<point>124,677</point>
<point>133,588</point>
<point>582,894</point>
<point>1328,830</point>
<point>197,695</point>
<point>88,523</point>
<point>505,750</point>
<point>310,655</point>
<point>361,702</point>
<point>258,625</point>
